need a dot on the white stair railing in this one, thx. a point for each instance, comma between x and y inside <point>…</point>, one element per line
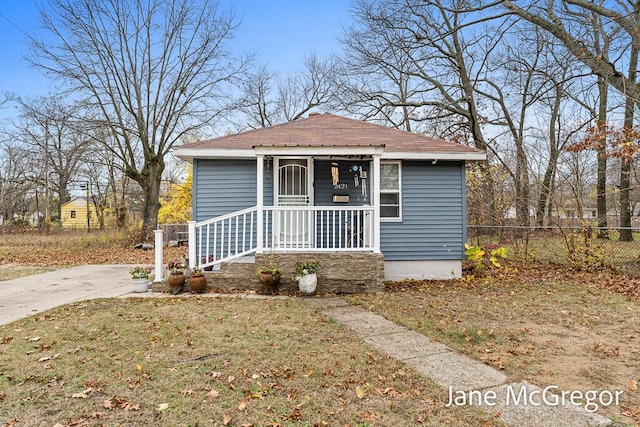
<point>224,238</point>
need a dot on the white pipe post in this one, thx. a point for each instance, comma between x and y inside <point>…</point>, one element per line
<point>158,247</point>
<point>192,243</point>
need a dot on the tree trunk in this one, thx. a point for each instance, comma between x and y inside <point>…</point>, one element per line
<point>601,186</point>
<point>545,192</point>
<point>522,186</point>
<point>625,168</point>
<point>149,180</point>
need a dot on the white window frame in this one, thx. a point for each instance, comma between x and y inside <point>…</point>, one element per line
<point>398,191</point>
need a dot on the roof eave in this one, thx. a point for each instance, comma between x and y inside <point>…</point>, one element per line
<point>188,154</point>
<point>410,155</point>
<point>323,150</point>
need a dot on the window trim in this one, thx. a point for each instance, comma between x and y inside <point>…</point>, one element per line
<point>398,191</point>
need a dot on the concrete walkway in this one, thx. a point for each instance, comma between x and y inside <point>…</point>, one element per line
<point>457,372</point>
<point>30,295</point>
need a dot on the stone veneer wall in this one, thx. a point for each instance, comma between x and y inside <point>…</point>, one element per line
<point>338,272</point>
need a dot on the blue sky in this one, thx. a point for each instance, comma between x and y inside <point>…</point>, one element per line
<point>280,32</point>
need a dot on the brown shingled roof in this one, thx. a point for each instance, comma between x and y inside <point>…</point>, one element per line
<point>334,131</point>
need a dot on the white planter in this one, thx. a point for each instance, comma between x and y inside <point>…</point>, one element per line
<point>307,283</point>
<point>140,285</point>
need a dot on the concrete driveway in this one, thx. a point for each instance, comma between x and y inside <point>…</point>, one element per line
<point>33,294</point>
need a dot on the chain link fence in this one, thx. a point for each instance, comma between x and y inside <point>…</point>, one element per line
<point>562,245</point>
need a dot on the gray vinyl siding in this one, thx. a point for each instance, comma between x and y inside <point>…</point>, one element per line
<point>433,223</point>
<point>224,186</point>
<point>433,214</point>
<point>324,189</point>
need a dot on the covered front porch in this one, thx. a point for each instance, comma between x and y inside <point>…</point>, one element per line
<point>308,200</point>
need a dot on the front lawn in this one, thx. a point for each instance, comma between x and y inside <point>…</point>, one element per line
<point>544,324</point>
<point>207,361</point>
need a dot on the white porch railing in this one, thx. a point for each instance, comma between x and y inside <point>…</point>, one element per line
<point>285,228</point>
<point>318,228</point>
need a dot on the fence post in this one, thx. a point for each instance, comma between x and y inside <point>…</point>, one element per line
<point>158,247</point>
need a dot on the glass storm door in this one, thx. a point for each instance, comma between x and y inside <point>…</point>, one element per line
<point>293,227</point>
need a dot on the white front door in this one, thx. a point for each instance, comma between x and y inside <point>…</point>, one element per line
<point>293,187</point>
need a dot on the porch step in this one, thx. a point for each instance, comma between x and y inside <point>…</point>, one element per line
<point>239,274</point>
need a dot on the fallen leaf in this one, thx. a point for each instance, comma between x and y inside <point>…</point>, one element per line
<point>128,406</point>
<point>83,394</point>
<point>633,385</point>
<point>242,406</point>
<point>359,392</point>
<point>162,407</point>
<point>226,419</point>
<point>214,393</point>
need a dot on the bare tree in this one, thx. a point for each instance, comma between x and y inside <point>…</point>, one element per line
<point>559,18</point>
<point>14,182</point>
<point>50,127</point>
<point>269,98</point>
<point>153,70</point>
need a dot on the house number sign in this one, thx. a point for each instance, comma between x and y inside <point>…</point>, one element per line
<point>340,186</point>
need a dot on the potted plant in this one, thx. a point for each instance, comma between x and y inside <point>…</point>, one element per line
<point>140,278</point>
<point>197,280</point>
<point>176,276</point>
<point>306,276</point>
<point>269,275</point>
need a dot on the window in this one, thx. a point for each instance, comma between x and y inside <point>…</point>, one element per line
<point>73,214</point>
<point>390,186</point>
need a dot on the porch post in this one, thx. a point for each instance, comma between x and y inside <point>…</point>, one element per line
<point>375,190</point>
<point>192,244</point>
<point>260,203</point>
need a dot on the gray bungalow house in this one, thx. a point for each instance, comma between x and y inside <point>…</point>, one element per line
<point>372,203</point>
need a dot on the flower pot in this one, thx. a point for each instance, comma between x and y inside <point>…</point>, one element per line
<point>140,285</point>
<point>176,282</point>
<point>270,281</point>
<point>197,284</point>
<point>307,283</point>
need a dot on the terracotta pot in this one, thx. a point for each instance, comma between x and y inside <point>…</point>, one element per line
<point>176,282</point>
<point>270,281</point>
<point>198,284</point>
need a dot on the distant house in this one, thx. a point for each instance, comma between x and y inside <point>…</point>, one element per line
<point>328,185</point>
<point>73,214</point>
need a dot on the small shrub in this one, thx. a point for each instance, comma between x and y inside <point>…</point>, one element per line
<point>586,255</point>
<point>485,257</point>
